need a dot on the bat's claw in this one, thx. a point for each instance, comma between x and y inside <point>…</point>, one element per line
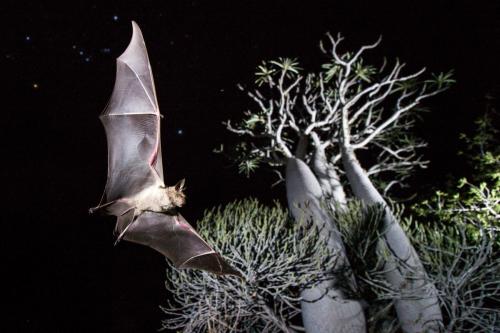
<point>91,211</point>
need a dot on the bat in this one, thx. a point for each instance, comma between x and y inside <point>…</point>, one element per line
<point>135,192</point>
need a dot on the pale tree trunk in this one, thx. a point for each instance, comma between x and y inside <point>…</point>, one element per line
<point>328,178</point>
<point>417,306</point>
<point>324,309</point>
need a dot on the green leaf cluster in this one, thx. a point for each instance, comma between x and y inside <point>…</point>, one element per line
<point>476,198</point>
<point>277,258</point>
<point>267,71</point>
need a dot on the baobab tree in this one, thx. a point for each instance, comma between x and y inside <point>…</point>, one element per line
<point>278,140</point>
<point>310,122</point>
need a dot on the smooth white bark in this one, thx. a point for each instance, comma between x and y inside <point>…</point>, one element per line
<point>332,313</point>
<point>417,308</point>
<point>328,177</point>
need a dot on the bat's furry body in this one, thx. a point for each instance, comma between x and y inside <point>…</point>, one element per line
<point>135,191</point>
<point>154,198</point>
<point>158,199</point>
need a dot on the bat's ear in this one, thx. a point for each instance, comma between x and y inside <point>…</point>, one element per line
<point>180,186</point>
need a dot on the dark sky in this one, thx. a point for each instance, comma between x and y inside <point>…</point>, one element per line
<point>60,65</point>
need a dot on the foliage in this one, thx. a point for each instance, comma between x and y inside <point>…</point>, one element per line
<point>464,269</point>
<point>361,228</point>
<point>277,258</point>
<point>378,103</point>
<point>483,148</point>
<point>362,231</point>
<point>460,240</point>
<point>455,232</point>
<point>477,198</point>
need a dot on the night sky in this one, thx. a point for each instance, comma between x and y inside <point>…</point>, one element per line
<point>60,63</point>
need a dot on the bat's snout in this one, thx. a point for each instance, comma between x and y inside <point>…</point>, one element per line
<point>179,199</point>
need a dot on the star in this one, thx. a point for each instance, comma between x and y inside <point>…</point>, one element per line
<point>115,18</point>
<point>180,131</point>
<point>35,85</point>
<point>27,38</point>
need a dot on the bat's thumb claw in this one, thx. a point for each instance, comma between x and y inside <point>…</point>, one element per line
<point>91,211</point>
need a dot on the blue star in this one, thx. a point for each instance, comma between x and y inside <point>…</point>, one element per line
<point>28,38</point>
<point>115,18</point>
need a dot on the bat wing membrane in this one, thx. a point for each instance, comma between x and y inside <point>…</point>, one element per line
<point>131,144</point>
<point>132,123</point>
<point>173,236</point>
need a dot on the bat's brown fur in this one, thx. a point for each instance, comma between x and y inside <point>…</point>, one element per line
<point>159,199</point>
<point>155,198</point>
<point>176,196</point>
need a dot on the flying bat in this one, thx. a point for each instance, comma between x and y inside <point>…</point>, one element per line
<point>135,192</point>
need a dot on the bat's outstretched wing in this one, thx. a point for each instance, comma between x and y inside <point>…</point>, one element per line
<point>174,237</point>
<point>132,123</point>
